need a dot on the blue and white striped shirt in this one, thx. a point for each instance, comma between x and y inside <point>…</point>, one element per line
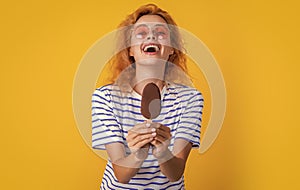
<point>114,113</point>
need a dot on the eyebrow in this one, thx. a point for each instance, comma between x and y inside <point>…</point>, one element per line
<point>163,25</point>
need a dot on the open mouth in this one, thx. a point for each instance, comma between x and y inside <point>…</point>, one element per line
<point>151,48</point>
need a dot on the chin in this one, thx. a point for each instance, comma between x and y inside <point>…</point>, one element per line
<point>152,61</point>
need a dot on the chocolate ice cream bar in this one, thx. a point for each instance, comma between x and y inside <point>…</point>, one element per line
<point>150,105</point>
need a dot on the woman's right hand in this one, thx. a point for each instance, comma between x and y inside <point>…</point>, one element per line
<point>138,140</point>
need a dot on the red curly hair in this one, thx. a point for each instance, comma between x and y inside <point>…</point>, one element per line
<point>122,59</point>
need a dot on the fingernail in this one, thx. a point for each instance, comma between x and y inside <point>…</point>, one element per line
<point>148,124</point>
<point>153,134</point>
<point>153,129</point>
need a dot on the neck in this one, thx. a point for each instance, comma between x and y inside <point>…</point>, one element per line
<point>150,69</point>
<point>139,87</point>
<point>149,72</point>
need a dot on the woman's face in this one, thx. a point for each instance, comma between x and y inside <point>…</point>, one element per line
<point>150,39</point>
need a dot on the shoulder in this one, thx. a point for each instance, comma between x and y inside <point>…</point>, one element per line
<point>183,90</point>
<point>106,89</point>
<point>103,92</point>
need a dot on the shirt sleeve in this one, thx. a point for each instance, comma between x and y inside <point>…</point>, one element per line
<point>190,121</point>
<point>105,127</point>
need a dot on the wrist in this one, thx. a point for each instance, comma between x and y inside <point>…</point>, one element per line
<point>139,156</point>
<point>164,156</point>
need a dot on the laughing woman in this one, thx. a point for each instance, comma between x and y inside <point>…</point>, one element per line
<point>146,153</point>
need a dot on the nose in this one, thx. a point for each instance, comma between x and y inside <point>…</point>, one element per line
<point>151,36</point>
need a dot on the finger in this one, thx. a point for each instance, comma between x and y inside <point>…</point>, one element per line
<point>164,134</point>
<point>135,138</point>
<point>155,143</point>
<point>146,145</point>
<point>164,128</point>
<point>142,143</point>
<point>160,139</point>
<point>155,125</point>
<point>131,135</point>
<point>140,138</point>
<point>148,123</point>
<point>146,130</point>
<point>142,129</point>
<point>137,127</point>
<point>161,127</point>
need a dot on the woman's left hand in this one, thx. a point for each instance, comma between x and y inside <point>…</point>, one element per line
<point>161,141</point>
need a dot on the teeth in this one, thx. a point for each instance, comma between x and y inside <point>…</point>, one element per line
<point>147,47</point>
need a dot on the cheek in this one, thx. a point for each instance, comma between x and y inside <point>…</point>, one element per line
<point>165,42</point>
<point>167,50</point>
<point>133,50</point>
<point>135,42</point>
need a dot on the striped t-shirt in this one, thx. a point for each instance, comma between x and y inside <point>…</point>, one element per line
<point>115,112</point>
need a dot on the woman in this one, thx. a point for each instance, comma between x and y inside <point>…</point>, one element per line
<point>146,154</point>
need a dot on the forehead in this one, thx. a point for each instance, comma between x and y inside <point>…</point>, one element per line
<point>151,19</point>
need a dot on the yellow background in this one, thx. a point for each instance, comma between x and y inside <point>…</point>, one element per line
<point>256,44</point>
